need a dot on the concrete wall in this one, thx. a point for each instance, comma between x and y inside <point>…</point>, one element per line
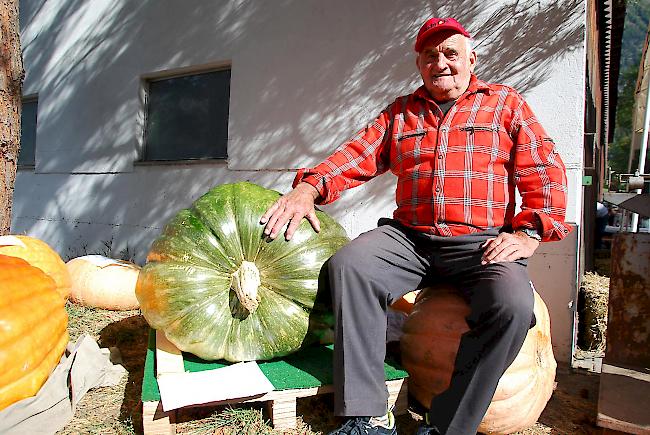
<point>305,76</point>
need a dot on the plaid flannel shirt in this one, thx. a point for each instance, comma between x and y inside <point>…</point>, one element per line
<point>457,172</point>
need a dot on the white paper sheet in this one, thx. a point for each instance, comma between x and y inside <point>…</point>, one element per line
<point>238,380</point>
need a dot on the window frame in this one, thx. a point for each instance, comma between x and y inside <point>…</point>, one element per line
<point>145,81</point>
<point>30,98</point>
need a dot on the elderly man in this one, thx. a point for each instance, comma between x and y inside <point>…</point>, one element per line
<point>459,147</point>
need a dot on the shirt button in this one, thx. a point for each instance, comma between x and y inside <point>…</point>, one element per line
<point>438,189</point>
<point>440,156</point>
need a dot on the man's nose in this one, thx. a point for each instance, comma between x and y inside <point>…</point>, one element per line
<point>439,62</point>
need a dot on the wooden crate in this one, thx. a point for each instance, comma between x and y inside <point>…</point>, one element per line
<point>281,404</point>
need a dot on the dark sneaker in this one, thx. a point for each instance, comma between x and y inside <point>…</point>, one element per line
<point>364,426</point>
<point>425,429</point>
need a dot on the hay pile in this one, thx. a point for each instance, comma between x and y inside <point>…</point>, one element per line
<point>594,296</point>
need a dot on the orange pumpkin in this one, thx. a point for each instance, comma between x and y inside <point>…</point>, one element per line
<point>39,254</point>
<point>33,329</point>
<point>429,345</point>
<point>102,282</point>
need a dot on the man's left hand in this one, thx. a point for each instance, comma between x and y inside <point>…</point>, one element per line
<point>508,247</point>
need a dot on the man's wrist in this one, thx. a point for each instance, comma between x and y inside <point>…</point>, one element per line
<point>533,234</point>
<point>308,188</point>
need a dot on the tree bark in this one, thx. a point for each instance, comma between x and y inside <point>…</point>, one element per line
<point>11,80</point>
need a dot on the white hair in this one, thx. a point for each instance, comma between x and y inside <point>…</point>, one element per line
<point>470,45</point>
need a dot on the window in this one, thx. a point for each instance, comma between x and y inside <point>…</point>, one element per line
<point>187,117</point>
<point>26,156</point>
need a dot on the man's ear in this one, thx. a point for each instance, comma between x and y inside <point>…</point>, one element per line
<point>472,61</point>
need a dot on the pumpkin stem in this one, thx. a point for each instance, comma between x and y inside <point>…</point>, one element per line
<point>245,283</point>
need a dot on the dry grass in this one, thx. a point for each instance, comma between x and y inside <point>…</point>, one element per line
<point>91,321</point>
<point>246,420</point>
<point>315,417</point>
<point>110,410</point>
<point>603,261</point>
<point>593,314</point>
<point>99,413</point>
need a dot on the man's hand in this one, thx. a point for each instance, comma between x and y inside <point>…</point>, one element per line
<point>291,207</point>
<point>508,247</point>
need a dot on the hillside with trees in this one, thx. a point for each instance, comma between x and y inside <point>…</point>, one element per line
<point>637,16</point>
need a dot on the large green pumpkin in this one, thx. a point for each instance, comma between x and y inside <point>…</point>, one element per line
<point>220,289</point>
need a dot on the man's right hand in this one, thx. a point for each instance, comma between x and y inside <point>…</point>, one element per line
<point>291,208</point>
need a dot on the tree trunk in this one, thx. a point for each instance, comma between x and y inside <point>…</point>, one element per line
<point>11,80</point>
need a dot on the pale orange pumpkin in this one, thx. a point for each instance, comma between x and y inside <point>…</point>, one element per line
<point>39,254</point>
<point>429,345</point>
<point>102,282</point>
<point>33,329</point>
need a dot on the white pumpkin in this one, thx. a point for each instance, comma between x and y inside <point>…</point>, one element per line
<point>103,282</point>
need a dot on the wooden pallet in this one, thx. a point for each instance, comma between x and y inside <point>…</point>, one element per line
<point>281,404</point>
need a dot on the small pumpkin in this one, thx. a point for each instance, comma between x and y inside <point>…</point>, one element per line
<point>429,345</point>
<point>39,254</point>
<point>102,282</point>
<point>33,329</point>
<point>219,289</point>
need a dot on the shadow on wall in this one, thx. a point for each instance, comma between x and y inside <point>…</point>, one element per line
<point>520,39</point>
<point>332,91</point>
<point>73,49</point>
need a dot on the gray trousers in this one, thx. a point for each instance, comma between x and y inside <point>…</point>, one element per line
<point>383,264</point>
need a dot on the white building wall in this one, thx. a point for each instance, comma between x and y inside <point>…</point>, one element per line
<point>305,76</point>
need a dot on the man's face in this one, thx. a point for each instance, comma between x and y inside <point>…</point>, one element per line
<point>446,64</point>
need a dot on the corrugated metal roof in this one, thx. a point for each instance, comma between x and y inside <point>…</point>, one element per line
<point>612,22</point>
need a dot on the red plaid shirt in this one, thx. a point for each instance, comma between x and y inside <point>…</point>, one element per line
<point>456,173</point>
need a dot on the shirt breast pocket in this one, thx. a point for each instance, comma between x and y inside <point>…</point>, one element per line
<point>488,143</point>
<point>409,146</point>
<point>477,129</point>
<point>485,135</point>
<point>410,140</point>
<point>411,134</point>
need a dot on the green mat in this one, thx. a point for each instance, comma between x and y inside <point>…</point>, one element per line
<point>307,368</point>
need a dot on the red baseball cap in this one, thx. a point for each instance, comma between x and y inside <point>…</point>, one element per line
<point>435,25</point>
